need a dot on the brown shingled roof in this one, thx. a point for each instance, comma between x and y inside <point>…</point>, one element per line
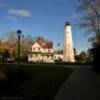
<point>44,44</point>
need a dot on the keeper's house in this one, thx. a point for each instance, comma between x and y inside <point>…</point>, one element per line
<point>41,51</point>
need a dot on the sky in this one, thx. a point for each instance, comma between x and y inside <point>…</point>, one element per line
<point>44,18</point>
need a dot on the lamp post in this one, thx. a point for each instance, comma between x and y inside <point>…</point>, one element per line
<point>19,34</point>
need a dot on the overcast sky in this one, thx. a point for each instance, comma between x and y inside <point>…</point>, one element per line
<point>42,18</point>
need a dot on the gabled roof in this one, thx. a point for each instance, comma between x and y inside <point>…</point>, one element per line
<point>44,44</point>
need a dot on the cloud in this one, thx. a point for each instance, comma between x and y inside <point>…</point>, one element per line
<point>20,12</point>
<point>2,5</point>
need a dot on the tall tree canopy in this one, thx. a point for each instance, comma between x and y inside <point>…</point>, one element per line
<point>12,38</point>
<point>90,20</point>
<point>90,11</point>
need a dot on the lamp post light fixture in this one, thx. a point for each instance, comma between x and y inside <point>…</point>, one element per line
<point>19,34</point>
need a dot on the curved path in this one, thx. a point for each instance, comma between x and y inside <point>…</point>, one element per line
<point>83,84</point>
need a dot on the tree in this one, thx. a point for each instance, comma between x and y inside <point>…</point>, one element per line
<point>75,53</point>
<point>29,39</point>
<point>83,57</point>
<point>90,20</point>
<point>91,15</point>
<point>12,38</point>
<point>6,55</point>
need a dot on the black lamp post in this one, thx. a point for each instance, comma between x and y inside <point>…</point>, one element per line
<point>19,33</point>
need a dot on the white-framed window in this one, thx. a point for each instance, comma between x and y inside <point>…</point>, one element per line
<point>38,48</point>
<point>33,49</point>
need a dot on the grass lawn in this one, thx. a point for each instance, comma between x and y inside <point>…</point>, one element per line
<point>31,82</point>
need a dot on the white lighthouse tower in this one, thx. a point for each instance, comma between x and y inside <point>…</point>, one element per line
<point>68,52</point>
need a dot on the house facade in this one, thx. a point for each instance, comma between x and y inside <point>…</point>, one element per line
<point>58,55</point>
<point>41,51</point>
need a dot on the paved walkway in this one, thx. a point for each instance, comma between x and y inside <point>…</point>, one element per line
<point>83,84</point>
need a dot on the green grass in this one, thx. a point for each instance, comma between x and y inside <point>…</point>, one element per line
<point>31,82</point>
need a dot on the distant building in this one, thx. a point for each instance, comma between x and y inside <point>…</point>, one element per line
<point>41,51</point>
<point>58,55</point>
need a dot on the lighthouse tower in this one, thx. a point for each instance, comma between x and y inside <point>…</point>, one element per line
<point>68,52</point>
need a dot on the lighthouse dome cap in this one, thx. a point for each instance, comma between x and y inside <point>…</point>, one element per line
<point>67,23</point>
